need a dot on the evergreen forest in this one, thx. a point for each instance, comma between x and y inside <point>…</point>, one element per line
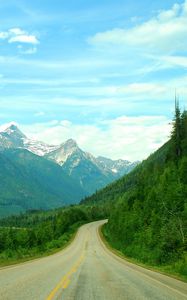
<point>148,215</point>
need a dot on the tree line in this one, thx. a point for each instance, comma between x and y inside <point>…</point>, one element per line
<point>34,233</point>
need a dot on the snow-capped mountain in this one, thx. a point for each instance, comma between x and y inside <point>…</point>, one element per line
<point>118,167</point>
<point>38,148</point>
<point>12,137</point>
<point>90,172</point>
<point>70,150</point>
<point>65,150</point>
<point>80,165</point>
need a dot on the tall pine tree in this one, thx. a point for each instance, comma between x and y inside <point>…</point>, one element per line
<point>184,132</point>
<point>177,131</point>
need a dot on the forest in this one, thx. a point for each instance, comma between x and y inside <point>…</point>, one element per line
<point>35,233</point>
<point>148,216</point>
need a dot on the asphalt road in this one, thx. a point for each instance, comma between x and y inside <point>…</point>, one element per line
<point>86,270</point>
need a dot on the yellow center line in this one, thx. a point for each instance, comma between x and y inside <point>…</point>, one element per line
<point>64,282</point>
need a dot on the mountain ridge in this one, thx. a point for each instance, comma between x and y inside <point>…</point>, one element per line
<point>92,173</point>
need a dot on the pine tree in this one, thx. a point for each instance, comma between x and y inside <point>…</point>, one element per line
<point>184,132</point>
<point>177,131</point>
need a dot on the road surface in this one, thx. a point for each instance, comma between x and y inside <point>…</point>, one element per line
<point>86,270</point>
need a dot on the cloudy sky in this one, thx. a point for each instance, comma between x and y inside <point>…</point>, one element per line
<point>101,72</point>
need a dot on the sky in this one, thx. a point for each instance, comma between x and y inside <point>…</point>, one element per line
<point>101,72</point>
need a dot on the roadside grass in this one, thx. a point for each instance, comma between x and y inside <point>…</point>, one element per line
<point>9,258</point>
<point>177,270</point>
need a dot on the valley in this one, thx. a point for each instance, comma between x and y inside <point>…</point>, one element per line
<point>35,175</point>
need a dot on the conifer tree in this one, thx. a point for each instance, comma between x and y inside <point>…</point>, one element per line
<point>184,132</point>
<point>177,131</point>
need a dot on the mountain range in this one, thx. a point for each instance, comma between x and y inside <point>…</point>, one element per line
<point>37,175</point>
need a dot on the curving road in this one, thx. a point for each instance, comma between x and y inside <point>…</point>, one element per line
<point>86,270</point>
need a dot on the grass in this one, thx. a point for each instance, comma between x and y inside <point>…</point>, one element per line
<point>4,262</point>
<point>174,270</point>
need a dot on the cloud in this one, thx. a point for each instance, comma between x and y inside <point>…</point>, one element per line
<point>178,61</point>
<point>30,39</point>
<point>145,88</point>
<point>17,31</point>
<point>17,35</point>
<point>66,123</point>
<point>116,138</point>
<point>39,114</point>
<point>166,32</point>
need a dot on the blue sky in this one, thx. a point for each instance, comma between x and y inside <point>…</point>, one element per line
<point>102,72</point>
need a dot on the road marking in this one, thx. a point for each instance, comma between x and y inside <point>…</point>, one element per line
<point>65,281</point>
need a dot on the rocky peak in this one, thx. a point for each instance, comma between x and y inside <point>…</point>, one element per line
<point>70,143</point>
<point>13,130</point>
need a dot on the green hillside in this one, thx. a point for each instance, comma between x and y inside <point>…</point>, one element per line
<point>148,218</point>
<point>38,233</point>
<point>28,181</point>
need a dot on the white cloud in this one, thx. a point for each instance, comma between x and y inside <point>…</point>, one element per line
<point>165,32</point>
<point>144,88</point>
<point>66,123</point>
<point>39,114</point>
<point>17,35</point>
<point>17,31</point>
<point>29,39</point>
<point>178,61</point>
<point>132,138</point>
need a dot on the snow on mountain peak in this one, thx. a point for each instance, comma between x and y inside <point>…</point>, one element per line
<point>61,154</point>
<point>12,126</point>
<point>12,131</point>
<point>38,148</point>
<point>69,151</point>
<point>12,137</point>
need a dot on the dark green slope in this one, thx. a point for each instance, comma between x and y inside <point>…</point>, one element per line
<point>128,182</point>
<point>28,181</point>
<point>148,207</point>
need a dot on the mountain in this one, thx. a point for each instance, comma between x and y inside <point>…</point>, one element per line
<point>148,207</point>
<point>12,137</point>
<point>81,166</point>
<point>28,181</point>
<point>90,172</point>
<point>118,167</point>
<point>64,151</point>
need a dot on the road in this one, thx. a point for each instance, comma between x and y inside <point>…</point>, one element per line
<point>86,270</point>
